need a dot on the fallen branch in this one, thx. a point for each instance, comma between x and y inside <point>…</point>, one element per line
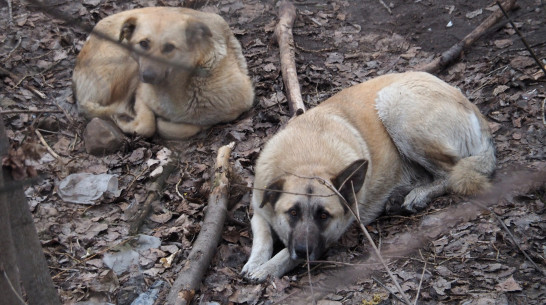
<point>453,53</point>
<point>153,194</point>
<point>17,79</point>
<point>540,65</point>
<point>43,141</point>
<point>285,39</point>
<point>189,278</point>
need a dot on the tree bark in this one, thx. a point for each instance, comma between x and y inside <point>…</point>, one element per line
<point>453,53</point>
<point>22,263</point>
<point>204,248</point>
<point>285,39</point>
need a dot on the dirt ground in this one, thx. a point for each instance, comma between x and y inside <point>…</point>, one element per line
<point>473,260</point>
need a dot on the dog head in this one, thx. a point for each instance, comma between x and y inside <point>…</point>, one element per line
<point>307,214</point>
<point>165,43</point>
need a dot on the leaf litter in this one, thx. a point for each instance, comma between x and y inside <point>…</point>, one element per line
<point>338,44</point>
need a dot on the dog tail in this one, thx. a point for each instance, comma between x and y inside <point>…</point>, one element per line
<point>472,174</point>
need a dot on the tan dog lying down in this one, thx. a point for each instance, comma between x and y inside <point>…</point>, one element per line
<point>407,132</point>
<point>200,78</point>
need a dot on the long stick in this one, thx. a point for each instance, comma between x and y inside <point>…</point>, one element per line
<point>204,248</point>
<point>522,38</point>
<point>285,38</point>
<point>453,53</point>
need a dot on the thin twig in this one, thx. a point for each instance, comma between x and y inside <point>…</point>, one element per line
<point>16,78</point>
<point>49,149</point>
<point>366,233</point>
<point>13,288</point>
<point>340,263</point>
<point>422,277</point>
<point>387,288</point>
<point>386,6</point>
<point>522,39</point>
<point>511,236</point>
<point>177,191</point>
<point>70,21</point>
<point>543,115</point>
<point>29,111</point>
<point>10,14</point>
<point>309,266</point>
<point>284,192</point>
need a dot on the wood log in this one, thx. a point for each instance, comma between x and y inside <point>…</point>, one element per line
<point>453,53</point>
<point>285,39</point>
<point>204,247</point>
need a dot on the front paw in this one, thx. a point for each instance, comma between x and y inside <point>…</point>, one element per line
<point>252,266</point>
<point>258,273</point>
<point>144,127</point>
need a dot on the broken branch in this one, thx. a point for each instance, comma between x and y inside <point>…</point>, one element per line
<point>285,39</point>
<point>453,53</point>
<point>522,38</point>
<point>153,194</point>
<point>189,278</point>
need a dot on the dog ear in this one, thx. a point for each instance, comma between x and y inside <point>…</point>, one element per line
<point>127,29</point>
<point>351,177</point>
<point>197,34</point>
<point>272,193</point>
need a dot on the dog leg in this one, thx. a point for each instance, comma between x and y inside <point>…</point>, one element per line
<point>275,267</point>
<point>262,245</point>
<point>143,124</point>
<point>170,130</point>
<point>419,197</point>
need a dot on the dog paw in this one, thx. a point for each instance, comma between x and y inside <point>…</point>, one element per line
<point>415,200</point>
<point>259,273</point>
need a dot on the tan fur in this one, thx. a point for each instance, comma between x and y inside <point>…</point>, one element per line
<point>399,130</point>
<point>201,77</point>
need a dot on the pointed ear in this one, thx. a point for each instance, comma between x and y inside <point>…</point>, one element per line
<point>127,29</point>
<point>355,173</point>
<point>198,34</point>
<point>272,193</point>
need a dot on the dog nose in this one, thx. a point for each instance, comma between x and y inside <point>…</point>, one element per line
<point>301,251</point>
<point>148,76</point>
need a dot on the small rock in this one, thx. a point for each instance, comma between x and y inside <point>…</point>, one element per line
<point>516,136</point>
<point>102,137</point>
<point>49,123</point>
<point>503,43</point>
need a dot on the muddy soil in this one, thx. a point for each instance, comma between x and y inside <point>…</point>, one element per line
<point>474,260</point>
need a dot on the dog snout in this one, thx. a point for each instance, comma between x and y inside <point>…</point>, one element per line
<point>301,250</point>
<point>149,76</point>
<point>305,242</point>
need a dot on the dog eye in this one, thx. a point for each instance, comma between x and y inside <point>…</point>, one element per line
<point>293,212</point>
<point>168,47</point>
<point>144,44</point>
<point>324,215</point>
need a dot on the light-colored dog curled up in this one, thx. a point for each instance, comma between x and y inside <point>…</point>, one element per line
<point>408,132</point>
<point>181,72</point>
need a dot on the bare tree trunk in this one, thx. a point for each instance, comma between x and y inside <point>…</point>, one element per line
<point>283,33</point>
<point>22,257</point>
<point>204,247</point>
<point>453,53</point>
